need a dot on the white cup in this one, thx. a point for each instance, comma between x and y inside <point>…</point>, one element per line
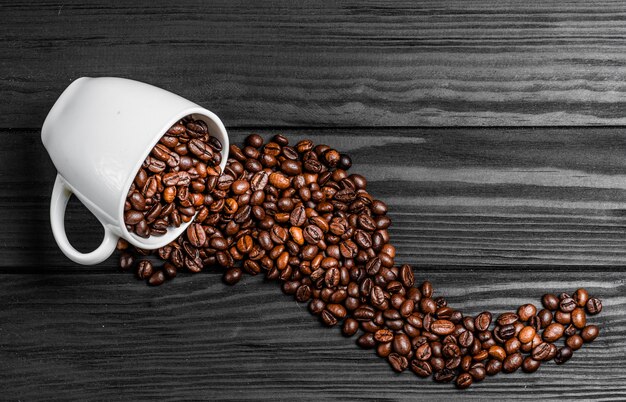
<point>98,133</point>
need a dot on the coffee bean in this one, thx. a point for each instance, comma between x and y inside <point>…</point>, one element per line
<point>594,306</point>
<point>196,235</point>
<point>157,278</point>
<point>406,276</point>
<point>133,217</point>
<point>563,355</point>
<point>483,320</point>
<point>553,332</point>
<point>350,327</point>
<point>579,318</point>
<point>530,365</point>
<point>590,333</point>
<point>397,362</point>
<point>574,342</point>
<point>526,334</point>
<point>463,381</point>
<point>442,327</point>
<point>401,344</point>
<point>126,261</point>
<point>444,375</point>
<point>526,311</point>
<point>478,371</point>
<point>328,318</point>
<point>254,140</point>
<point>421,368</point>
<point>545,317</point>
<point>232,275</point>
<point>581,296</point>
<point>497,352</point>
<point>423,352</point>
<point>567,305</point>
<point>493,367</point>
<point>466,339</point>
<point>366,341</point>
<point>541,352</point>
<point>512,362</point>
<point>550,301</point>
<point>450,350</point>
<point>144,269</point>
<point>169,270</point>
<point>507,318</point>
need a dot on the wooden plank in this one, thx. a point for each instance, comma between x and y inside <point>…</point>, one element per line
<point>458,197</point>
<point>356,63</point>
<point>107,336</point>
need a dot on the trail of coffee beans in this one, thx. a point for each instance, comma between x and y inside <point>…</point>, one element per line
<point>294,214</point>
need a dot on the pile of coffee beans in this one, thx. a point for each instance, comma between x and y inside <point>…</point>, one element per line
<point>174,180</point>
<point>294,214</point>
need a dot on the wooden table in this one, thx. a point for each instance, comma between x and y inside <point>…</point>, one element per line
<point>491,129</point>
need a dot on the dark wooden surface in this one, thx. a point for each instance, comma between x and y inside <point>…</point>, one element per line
<point>357,63</point>
<point>493,216</point>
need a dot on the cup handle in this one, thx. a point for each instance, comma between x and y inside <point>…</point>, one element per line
<point>60,196</point>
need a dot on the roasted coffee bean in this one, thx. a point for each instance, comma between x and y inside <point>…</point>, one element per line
<point>144,269</point>
<point>196,235</point>
<point>423,352</point>
<point>526,334</point>
<point>397,362</point>
<point>581,296</point>
<point>401,344</point>
<point>567,305</point>
<point>579,318</point>
<point>169,270</point>
<point>526,311</point>
<point>541,352</point>
<point>550,302</point>
<point>507,318</point>
<point>594,306</point>
<point>126,261</point>
<point>574,342</point>
<point>366,341</point>
<point>442,327</point>
<point>512,362</point>
<point>563,355</point>
<point>493,367</point>
<point>553,332</point>
<point>482,321</point>
<point>328,318</point>
<point>478,371</point>
<point>444,375</point>
<point>590,333</point>
<point>421,368</point>
<point>530,365</point>
<point>497,352</point>
<point>350,327</point>
<point>463,381</point>
<point>545,317</point>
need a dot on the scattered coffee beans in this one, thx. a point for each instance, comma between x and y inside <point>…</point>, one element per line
<point>175,180</point>
<point>294,214</point>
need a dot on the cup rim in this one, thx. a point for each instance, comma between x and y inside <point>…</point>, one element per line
<point>172,232</point>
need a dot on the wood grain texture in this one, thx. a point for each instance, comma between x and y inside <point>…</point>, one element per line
<point>109,337</point>
<point>532,197</point>
<point>493,217</point>
<point>357,63</point>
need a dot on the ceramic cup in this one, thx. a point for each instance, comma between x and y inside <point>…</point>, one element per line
<point>98,133</point>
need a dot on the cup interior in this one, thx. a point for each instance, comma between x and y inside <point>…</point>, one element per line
<point>216,129</point>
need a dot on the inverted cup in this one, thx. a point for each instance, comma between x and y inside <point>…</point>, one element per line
<point>98,133</point>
